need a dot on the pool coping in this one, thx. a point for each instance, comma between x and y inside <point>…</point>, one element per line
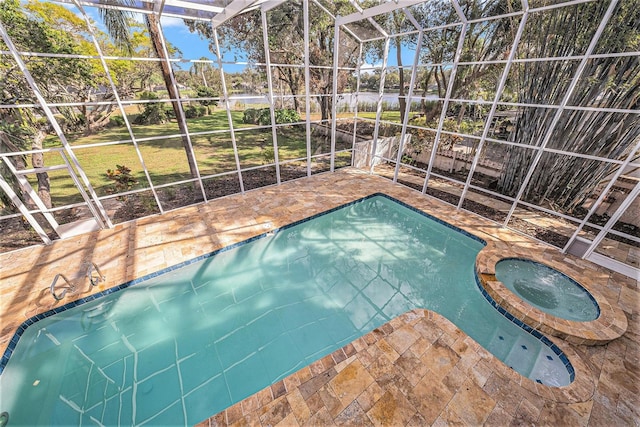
<point>609,325</point>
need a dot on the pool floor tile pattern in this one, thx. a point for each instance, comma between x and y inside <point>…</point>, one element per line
<point>418,369</point>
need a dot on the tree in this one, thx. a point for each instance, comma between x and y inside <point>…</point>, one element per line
<point>36,28</point>
<point>286,28</point>
<point>90,85</point>
<point>153,24</point>
<point>117,23</point>
<point>69,89</point>
<point>484,41</point>
<point>200,69</point>
<point>139,75</point>
<point>612,82</point>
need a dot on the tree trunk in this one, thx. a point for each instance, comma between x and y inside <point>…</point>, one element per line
<point>85,113</point>
<point>37,160</point>
<point>461,113</point>
<point>402,100</point>
<point>325,107</point>
<point>293,83</point>
<point>324,87</point>
<point>425,89</point>
<point>441,93</point>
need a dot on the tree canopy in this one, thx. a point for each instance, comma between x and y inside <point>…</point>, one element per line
<point>286,30</point>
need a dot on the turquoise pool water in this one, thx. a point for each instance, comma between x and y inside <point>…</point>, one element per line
<point>178,348</point>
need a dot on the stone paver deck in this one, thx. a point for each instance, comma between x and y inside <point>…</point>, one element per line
<point>418,369</point>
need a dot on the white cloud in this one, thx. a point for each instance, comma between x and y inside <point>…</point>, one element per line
<point>367,68</point>
<point>169,21</point>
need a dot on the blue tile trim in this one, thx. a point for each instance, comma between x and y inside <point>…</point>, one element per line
<point>537,334</point>
<point>22,328</point>
<point>574,282</point>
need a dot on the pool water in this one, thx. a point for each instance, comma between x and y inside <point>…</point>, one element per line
<point>547,289</point>
<point>186,344</point>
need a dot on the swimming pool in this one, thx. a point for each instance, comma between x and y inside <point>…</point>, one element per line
<point>179,347</point>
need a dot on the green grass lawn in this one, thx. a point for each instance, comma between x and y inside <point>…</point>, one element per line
<point>390,116</point>
<point>165,158</point>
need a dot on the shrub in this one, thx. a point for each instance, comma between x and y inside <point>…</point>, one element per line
<point>268,156</point>
<point>154,113</point>
<point>250,116</point>
<point>122,179</point>
<point>262,116</point>
<point>287,116</point>
<point>207,92</point>
<point>193,111</point>
<point>168,111</point>
<point>116,121</point>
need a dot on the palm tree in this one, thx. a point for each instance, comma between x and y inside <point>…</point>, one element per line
<point>200,68</point>
<point>116,22</point>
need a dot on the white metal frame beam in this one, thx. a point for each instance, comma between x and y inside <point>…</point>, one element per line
<point>119,104</point>
<point>195,6</point>
<point>272,112</point>
<point>494,104</point>
<point>26,187</point>
<point>186,135</point>
<point>4,185</point>
<point>383,78</point>
<point>234,8</point>
<point>334,94</point>
<point>355,100</point>
<point>271,4</point>
<point>375,11</point>
<point>307,84</point>
<point>445,106</point>
<point>225,95</point>
<point>612,221</point>
<point>407,110</point>
<point>604,193</point>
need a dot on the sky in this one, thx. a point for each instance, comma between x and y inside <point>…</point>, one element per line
<point>176,33</point>
<point>192,46</point>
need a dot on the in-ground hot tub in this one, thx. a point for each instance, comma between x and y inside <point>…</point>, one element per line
<point>547,289</point>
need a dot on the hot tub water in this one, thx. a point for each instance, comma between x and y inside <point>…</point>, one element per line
<point>547,289</point>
